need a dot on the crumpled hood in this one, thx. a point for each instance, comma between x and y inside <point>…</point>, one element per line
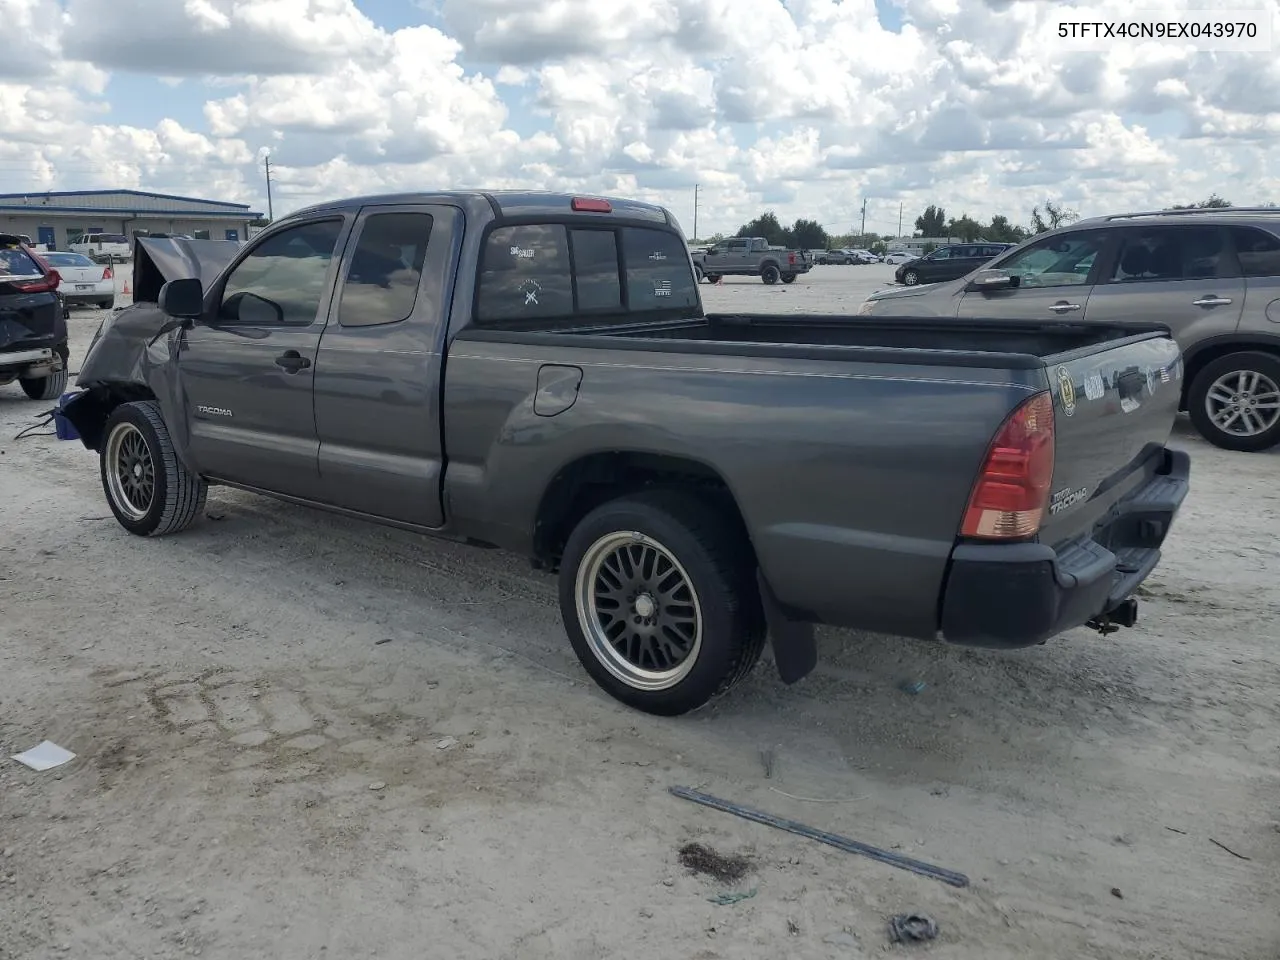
<point>120,352</point>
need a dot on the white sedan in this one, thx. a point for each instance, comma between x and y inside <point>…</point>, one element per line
<point>83,281</point>
<point>900,257</point>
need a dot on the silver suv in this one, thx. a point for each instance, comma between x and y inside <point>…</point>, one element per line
<point>1212,275</point>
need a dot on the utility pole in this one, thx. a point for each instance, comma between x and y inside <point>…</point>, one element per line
<point>270,210</point>
<point>695,211</point>
<point>864,218</point>
<point>899,219</point>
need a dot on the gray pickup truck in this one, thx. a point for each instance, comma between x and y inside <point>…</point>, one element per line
<point>535,372</point>
<point>750,257</point>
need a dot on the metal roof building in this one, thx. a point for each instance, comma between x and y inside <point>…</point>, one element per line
<point>58,218</point>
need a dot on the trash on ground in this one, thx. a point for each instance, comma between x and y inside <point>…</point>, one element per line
<point>1115,892</point>
<point>1238,856</point>
<point>842,938</point>
<point>911,928</point>
<point>44,756</point>
<point>704,860</point>
<point>446,743</point>
<point>831,839</point>
<point>912,686</point>
<point>726,899</point>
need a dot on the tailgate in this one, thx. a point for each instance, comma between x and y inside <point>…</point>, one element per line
<point>1114,408</point>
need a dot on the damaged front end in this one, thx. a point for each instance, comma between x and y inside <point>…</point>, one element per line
<point>126,361</point>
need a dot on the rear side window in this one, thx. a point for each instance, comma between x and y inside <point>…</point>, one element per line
<point>16,262</point>
<point>382,281</point>
<point>112,238</point>
<point>1172,253</point>
<point>1259,252</point>
<point>658,274</point>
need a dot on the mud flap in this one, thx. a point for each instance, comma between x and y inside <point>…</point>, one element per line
<point>795,648</point>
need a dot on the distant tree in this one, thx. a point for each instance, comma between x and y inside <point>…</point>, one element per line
<point>879,248</point>
<point>1214,202</point>
<point>1054,216</point>
<point>932,222</point>
<point>715,238</point>
<point>808,235</point>
<point>966,228</point>
<point>766,225</point>
<point>1002,231</point>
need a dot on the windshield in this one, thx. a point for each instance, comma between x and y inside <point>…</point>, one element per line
<point>68,260</point>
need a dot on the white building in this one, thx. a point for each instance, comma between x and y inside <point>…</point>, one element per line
<point>58,218</point>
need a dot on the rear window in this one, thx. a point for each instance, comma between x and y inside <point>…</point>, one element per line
<point>15,262</point>
<point>68,260</point>
<point>1259,252</point>
<point>534,272</point>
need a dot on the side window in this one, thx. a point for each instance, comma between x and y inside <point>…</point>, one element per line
<point>1061,261</point>
<point>524,274</point>
<point>595,269</point>
<point>658,274</point>
<point>1259,252</point>
<point>1172,253</point>
<point>282,281</point>
<point>942,253</point>
<point>382,281</point>
<point>737,246</point>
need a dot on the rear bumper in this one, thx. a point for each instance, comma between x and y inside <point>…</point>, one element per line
<point>1016,595</point>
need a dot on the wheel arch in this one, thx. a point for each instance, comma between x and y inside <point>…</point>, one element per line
<point>90,410</point>
<point>1197,357</point>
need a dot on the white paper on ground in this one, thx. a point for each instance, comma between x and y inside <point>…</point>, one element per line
<point>44,756</point>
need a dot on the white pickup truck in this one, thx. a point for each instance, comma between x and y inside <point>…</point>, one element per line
<point>103,246</point>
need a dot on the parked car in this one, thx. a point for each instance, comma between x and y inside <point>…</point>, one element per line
<point>33,326</point>
<point>751,257</point>
<point>83,281</point>
<point>948,263</point>
<point>830,257</point>
<point>1212,275</point>
<point>899,256</point>
<point>535,372</point>
<point>108,247</point>
<point>865,256</point>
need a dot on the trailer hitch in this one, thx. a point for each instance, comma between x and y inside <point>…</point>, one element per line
<point>1123,614</point>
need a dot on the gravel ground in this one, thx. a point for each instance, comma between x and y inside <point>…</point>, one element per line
<point>303,737</point>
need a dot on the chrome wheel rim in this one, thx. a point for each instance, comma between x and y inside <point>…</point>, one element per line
<point>639,611</point>
<point>1243,403</point>
<point>910,278</point>
<point>131,473</point>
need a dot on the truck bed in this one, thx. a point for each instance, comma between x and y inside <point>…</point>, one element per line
<point>993,343</point>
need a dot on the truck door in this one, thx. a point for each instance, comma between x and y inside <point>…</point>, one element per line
<point>377,380</point>
<point>245,373</point>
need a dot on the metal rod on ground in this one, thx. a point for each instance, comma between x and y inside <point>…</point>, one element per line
<point>835,840</point>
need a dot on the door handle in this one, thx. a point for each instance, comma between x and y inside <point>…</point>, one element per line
<point>1063,307</point>
<point>1211,301</point>
<point>292,361</point>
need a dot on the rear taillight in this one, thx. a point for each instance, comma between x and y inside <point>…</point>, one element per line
<point>1009,499</point>
<point>791,258</point>
<point>107,274</point>
<point>46,284</point>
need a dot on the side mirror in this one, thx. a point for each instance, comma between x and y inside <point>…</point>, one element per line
<point>251,310</point>
<point>182,298</point>
<point>985,281</point>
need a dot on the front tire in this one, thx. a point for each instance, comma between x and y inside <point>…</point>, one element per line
<point>1234,402</point>
<point>148,489</point>
<point>45,388</point>
<point>770,274</point>
<point>911,278</point>
<point>659,601</point>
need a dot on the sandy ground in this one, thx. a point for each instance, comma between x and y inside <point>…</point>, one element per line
<point>302,737</point>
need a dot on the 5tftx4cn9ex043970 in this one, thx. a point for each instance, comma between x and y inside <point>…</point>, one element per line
<point>535,372</point>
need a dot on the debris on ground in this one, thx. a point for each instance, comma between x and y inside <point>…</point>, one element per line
<point>446,743</point>
<point>1115,892</point>
<point>377,785</point>
<point>767,760</point>
<point>793,928</point>
<point>950,877</point>
<point>912,687</point>
<point>727,899</point>
<point>704,860</point>
<point>912,928</point>
<point>1238,856</point>
<point>842,938</point>
<point>44,756</point>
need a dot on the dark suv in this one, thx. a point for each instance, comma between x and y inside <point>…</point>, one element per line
<point>948,263</point>
<point>33,326</point>
<point>1211,274</point>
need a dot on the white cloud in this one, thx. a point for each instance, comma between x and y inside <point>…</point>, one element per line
<point>808,105</point>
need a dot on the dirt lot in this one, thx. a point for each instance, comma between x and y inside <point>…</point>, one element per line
<point>302,737</point>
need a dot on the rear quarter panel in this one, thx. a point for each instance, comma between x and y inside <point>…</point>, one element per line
<point>851,477</point>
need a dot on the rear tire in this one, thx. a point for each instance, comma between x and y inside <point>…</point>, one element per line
<point>1237,393</point>
<point>668,577</point>
<point>770,274</point>
<point>713,277</point>
<point>45,388</point>
<point>788,278</point>
<point>698,275</point>
<point>107,304</point>
<point>148,489</point>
